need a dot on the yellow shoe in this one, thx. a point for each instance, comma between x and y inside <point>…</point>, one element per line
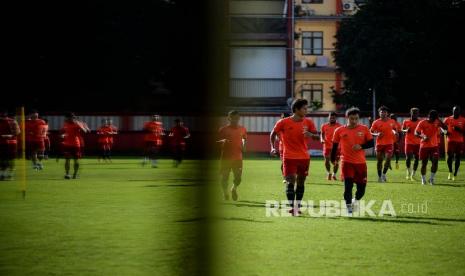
<point>449,177</point>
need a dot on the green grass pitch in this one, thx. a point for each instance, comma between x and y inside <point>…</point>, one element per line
<point>124,219</point>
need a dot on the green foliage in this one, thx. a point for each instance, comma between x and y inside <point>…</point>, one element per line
<point>407,49</point>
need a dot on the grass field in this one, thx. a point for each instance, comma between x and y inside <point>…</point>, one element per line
<point>124,219</point>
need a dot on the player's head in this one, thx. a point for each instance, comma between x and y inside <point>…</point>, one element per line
<point>155,118</point>
<point>300,107</point>
<point>393,116</point>
<point>353,116</point>
<point>109,121</point>
<point>178,122</point>
<point>34,114</point>
<point>69,116</point>
<point>383,112</point>
<point>104,121</point>
<point>433,115</point>
<point>45,120</point>
<point>234,117</point>
<point>332,116</point>
<point>456,111</point>
<point>414,113</point>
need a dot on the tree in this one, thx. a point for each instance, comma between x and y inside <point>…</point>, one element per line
<point>408,50</point>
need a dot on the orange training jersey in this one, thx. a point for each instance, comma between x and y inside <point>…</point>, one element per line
<point>386,128</point>
<point>431,130</point>
<point>328,130</point>
<point>154,132</point>
<point>72,134</point>
<point>410,138</point>
<point>347,138</point>
<point>8,126</point>
<point>455,136</point>
<point>36,130</point>
<point>292,136</point>
<point>232,150</point>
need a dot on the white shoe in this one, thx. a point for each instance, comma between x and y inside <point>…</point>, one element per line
<point>423,181</point>
<point>383,176</point>
<point>355,205</point>
<point>431,181</point>
<point>449,177</point>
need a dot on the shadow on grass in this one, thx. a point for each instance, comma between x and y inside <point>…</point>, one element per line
<point>450,185</point>
<point>174,185</point>
<point>396,220</point>
<point>224,218</point>
<point>432,218</point>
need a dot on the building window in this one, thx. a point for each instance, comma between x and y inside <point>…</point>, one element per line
<point>312,93</point>
<point>312,43</point>
<point>312,1</point>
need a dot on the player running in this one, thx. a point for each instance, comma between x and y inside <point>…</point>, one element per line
<point>385,130</point>
<point>412,143</point>
<point>428,130</point>
<point>105,139</point>
<point>294,132</point>
<point>153,140</point>
<point>9,131</point>
<point>326,138</point>
<point>396,147</point>
<point>352,139</point>
<point>72,142</point>
<point>36,131</point>
<point>232,138</point>
<point>455,130</point>
<point>178,134</point>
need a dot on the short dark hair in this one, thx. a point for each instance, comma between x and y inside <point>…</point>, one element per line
<point>352,111</point>
<point>383,108</point>
<point>177,120</point>
<point>233,113</point>
<point>393,116</point>
<point>298,103</point>
<point>332,113</point>
<point>414,109</point>
<point>433,114</point>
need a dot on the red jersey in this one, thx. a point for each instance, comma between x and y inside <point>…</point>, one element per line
<point>328,130</point>
<point>36,130</point>
<point>72,134</point>
<point>292,136</point>
<point>410,137</point>
<point>105,134</point>
<point>451,122</point>
<point>431,130</point>
<point>177,134</point>
<point>154,132</point>
<point>8,126</point>
<point>232,150</point>
<point>347,138</point>
<point>387,127</point>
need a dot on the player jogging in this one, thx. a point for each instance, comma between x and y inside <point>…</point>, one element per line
<point>396,147</point>
<point>352,139</point>
<point>294,132</point>
<point>153,140</point>
<point>412,143</point>
<point>72,142</point>
<point>232,138</point>
<point>9,131</point>
<point>326,138</point>
<point>455,132</point>
<point>427,130</point>
<point>385,130</point>
<point>178,134</point>
<point>36,132</point>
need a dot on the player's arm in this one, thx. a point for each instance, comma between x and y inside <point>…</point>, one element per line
<point>273,136</point>
<point>404,128</point>
<point>322,135</point>
<point>244,141</point>
<point>311,132</point>
<point>188,134</point>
